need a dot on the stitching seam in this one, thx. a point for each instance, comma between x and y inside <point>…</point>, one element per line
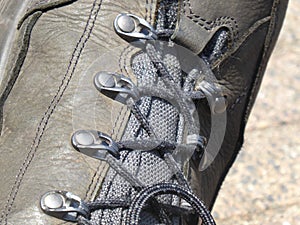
<point>60,92</point>
<point>113,133</point>
<point>122,62</point>
<point>227,21</point>
<point>146,9</point>
<point>123,68</point>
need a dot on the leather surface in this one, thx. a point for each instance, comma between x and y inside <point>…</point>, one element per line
<point>191,36</point>
<point>53,96</point>
<point>192,33</point>
<point>256,25</point>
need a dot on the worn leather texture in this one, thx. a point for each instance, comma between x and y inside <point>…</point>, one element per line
<point>255,26</point>
<point>49,94</point>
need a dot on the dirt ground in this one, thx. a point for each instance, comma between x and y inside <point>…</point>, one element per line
<point>263,186</point>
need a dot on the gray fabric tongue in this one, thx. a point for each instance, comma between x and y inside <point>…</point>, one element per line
<point>166,122</point>
<point>146,166</point>
<point>162,116</point>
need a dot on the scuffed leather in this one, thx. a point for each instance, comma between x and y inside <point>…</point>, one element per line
<point>36,154</point>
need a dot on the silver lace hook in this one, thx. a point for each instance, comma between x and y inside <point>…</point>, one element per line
<point>122,89</point>
<point>132,27</point>
<point>95,144</point>
<point>116,87</point>
<point>100,146</point>
<point>63,205</point>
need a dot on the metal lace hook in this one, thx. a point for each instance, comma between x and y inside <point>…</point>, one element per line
<point>116,87</point>
<point>123,90</point>
<point>100,146</point>
<point>132,27</point>
<point>95,144</point>
<point>64,205</point>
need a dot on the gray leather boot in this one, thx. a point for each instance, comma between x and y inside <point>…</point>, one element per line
<point>126,112</point>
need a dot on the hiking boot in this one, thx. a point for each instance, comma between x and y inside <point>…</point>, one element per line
<point>127,112</point>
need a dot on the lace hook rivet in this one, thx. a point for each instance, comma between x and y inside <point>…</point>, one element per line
<point>132,27</point>
<point>94,144</point>
<point>63,205</point>
<point>116,87</point>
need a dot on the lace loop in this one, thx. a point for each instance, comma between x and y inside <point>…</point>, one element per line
<point>162,189</point>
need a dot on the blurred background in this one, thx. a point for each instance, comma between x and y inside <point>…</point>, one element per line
<point>263,186</point>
